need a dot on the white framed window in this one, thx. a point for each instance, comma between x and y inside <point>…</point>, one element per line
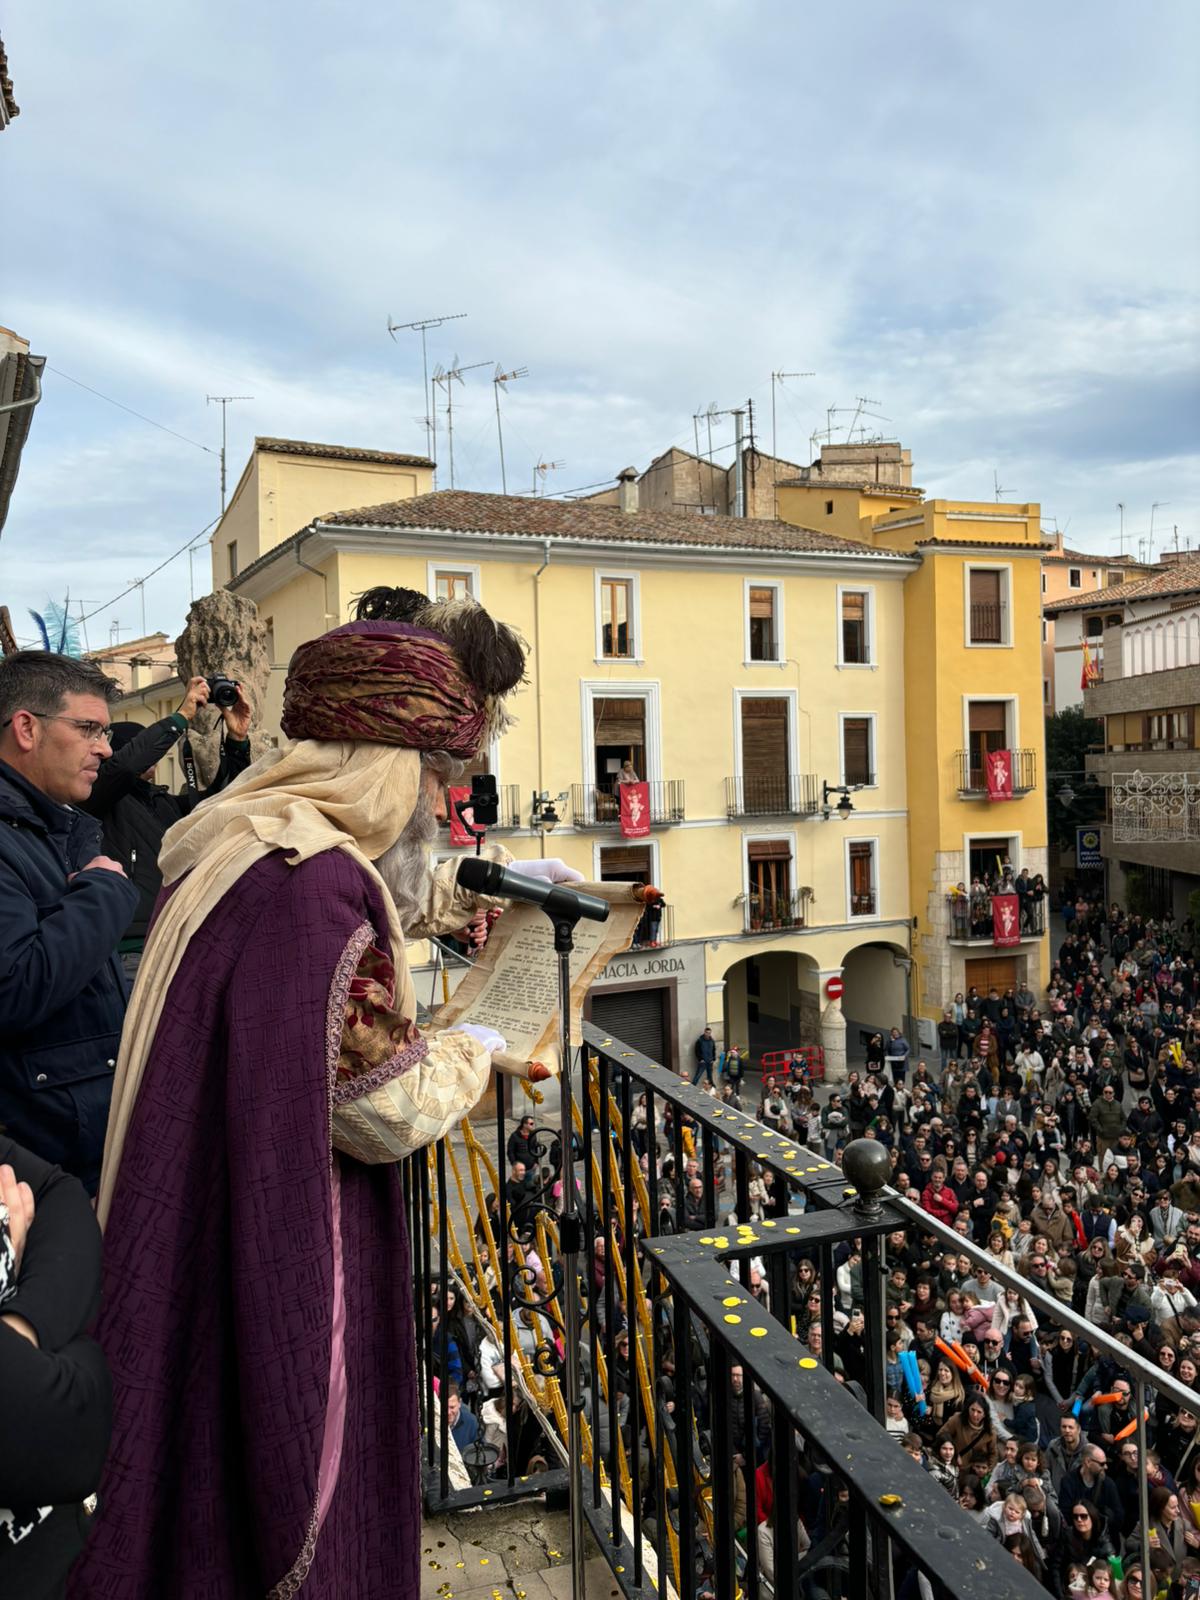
<point>1074,578</point>
<point>984,854</point>
<point>758,752</point>
<point>770,893</point>
<point>231,554</point>
<point>605,855</point>
<point>856,625</point>
<point>452,580</point>
<point>620,721</point>
<point>856,741</point>
<point>862,879</point>
<point>618,616</point>
<point>987,592</point>
<point>762,615</point>
<point>990,722</point>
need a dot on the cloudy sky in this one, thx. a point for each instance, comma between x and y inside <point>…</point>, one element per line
<point>984,218</point>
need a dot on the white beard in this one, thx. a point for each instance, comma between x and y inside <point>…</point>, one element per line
<point>405,868</point>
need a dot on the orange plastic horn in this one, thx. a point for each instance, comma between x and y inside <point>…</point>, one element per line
<point>1130,1427</point>
<point>1107,1399</point>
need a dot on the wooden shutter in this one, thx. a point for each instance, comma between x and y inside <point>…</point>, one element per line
<point>987,716</point>
<point>624,865</point>
<point>985,587</point>
<point>769,850</point>
<point>764,738</point>
<point>861,877</point>
<point>619,722</point>
<point>762,602</point>
<point>856,749</point>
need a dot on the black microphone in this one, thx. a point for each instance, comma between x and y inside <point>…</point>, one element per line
<point>489,877</point>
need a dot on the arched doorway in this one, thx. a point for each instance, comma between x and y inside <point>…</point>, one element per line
<point>875,998</point>
<point>771,1001</point>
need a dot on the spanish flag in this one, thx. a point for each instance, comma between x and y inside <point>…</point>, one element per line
<point>1091,669</point>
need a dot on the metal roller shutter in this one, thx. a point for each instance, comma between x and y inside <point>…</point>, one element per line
<point>638,1017</point>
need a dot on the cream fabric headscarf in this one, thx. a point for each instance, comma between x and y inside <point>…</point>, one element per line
<point>311,796</point>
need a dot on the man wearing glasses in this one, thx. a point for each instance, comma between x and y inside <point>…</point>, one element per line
<point>63,909</point>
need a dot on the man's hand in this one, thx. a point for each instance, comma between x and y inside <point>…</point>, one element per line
<point>18,1197</point>
<point>196,696</point>
<point>102,864</point>
<point>237,717</point>
<point>552,869</point>
<point>476,931</point>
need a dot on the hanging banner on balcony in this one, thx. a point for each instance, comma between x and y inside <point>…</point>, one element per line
<point>459,832</point>
<point>999,774</point>
<point>1006,919</point>
<point>635,809</point>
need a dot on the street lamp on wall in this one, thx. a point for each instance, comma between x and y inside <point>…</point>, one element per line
<point>844,806</point>
<point>546,814</point>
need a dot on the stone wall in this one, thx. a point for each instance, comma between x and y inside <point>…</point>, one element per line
<point>224,634</point>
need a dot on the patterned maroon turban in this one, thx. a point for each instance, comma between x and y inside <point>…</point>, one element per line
<point>387,682</point>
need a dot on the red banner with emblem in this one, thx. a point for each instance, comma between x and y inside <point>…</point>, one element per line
<point>999,774</point>
<point>635,809</point>
<point>1006,919</point>
<point>459,832</point>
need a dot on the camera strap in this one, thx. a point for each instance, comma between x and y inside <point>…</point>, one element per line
<point>187,758</point>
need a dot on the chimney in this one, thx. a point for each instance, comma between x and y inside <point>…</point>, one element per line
<point>627,490</point>
<point>1058,541</point>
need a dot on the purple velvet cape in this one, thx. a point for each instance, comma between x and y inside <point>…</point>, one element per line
<point>219,1281</point>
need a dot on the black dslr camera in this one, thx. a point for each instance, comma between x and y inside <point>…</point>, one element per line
<point>222,692</point>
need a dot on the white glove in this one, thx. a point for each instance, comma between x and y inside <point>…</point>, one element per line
<point>487,1037</point>
<point>552,869</point>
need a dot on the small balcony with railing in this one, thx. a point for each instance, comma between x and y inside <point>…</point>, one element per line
<point>987,622</point>
<point>785,794</point>
<point>598,805</point>
<point>772,913</point>
<point>656,929</point>
<point>971,918</point>
<point>972,773</point>
<point>508,808</point>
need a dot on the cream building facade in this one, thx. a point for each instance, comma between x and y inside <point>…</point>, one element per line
<point>751,670</point>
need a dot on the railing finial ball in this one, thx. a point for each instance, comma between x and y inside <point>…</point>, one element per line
<point>866,1164</point>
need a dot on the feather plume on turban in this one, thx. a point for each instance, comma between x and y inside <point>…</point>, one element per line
<point>411,673</point>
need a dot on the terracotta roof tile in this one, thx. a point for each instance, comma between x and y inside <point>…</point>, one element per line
<point>1181,577</point>
<point>457,510</point>
<point>977,544</point>
<point>866,486</point>
<point>339,452</point>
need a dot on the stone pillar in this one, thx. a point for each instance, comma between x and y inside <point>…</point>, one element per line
<point>833,1041</point>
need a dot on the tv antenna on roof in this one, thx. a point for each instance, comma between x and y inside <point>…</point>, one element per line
<point>779,377</point>
<point>542,469</point>
<point>499,380</point>
<point>447,377</point>
<point>421,326</point>
<point>224,401</point>
<point>860,410</point>
<point>1000,492</point>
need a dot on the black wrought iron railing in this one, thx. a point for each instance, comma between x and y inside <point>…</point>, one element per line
<point>972,774</point>
<point>766,913</point>
<point>598,805</point>
<point>673,1303</point>
<point>972,919</point>
<point>786,794</point>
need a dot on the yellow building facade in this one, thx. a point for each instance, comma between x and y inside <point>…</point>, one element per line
<point>796,697</point>
<point>972,683</point>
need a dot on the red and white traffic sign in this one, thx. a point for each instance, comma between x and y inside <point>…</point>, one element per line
<point>834,988</point>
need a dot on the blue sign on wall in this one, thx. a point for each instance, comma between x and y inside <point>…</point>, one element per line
<point>1087,847</point>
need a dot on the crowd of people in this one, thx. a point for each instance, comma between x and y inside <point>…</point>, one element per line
<point>1059,1133</point>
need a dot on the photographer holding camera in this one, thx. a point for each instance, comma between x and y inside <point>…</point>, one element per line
<point>136,812</point>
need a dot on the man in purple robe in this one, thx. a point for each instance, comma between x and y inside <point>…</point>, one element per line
<point>257,1292</point>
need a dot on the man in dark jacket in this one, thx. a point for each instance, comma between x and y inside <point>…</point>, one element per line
<point>136,812</point>
<point>63,908</point>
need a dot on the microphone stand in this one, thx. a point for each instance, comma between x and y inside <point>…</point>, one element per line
<point>570,1244</point>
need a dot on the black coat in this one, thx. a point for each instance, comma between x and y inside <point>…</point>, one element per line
<point>62,990</point>
<point>55,1397</point>
<point>136,814</point>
